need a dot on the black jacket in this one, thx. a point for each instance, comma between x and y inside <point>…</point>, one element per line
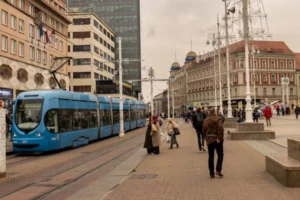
<point>195,124</point>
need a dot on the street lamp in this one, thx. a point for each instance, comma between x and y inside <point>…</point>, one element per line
<point>212,39</point>
<point>220,72</point>
<point>254,50</point>
<point>227,12</point>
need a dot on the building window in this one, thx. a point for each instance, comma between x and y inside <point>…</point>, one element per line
<point>38,55</point>
<point>79,48</point>
<point>235,91</point>
<point>21,49</point>
<point>43,17</point>
<point>44,57</point>
<point>272,64</point>
<point>22,75</point>
<point>84,88</point>
<point>4,17</point>
<point>31,9</point>
<point>52,82</point>
<point>291,77</point>
<point>82,75</point>
<point>21,26</point>
<point>256,91</point>
<point>38,37</point>
<point>273,92</point>
<point>39,79</point>
<point>264,78</point>
<point>5,72</point>
<point>31,53</point>
<point>281,64</point>
<point>96,24</point>
<point>13,46</point>
<point>60,45</point>
<point>51,22</point>
<point>235,78</point>
<point>291,91</point>
<point>51,60</point>
<point>241,63</point>
<point>31,30</point>
<point>4,43</point>
<point>13,22</point>
<point>60,28</point>
<point>291,65</point>
<point>21,4</point>
<point>81,21</point>
<point>85,34</point>
<point>265,91</point>
<point>264,64</point>
<point>13,2</point>
<point>255,77</point>
<point>82,61</point>
<point>273,77</point>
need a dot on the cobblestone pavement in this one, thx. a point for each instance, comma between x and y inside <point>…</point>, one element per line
<point>182,174</point>
<point>9,147</point>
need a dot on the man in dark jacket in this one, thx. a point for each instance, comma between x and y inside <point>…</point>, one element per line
<point>198,119</point>
<point>297,111</point>
<point>214,134</point>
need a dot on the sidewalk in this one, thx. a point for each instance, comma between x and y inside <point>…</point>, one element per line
<point>182,174</point>
<point>9,148</point>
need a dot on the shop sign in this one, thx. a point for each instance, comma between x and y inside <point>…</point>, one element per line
<point>6,93</point>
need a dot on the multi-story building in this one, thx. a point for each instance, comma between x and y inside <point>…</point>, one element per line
<point>32,34</point>
<point>123,17</point>
<point>161,102</point>
<point>274,62</point>
<point>298,78</point>
<point>92,47</point>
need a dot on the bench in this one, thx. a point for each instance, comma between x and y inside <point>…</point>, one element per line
<point>286,167</point>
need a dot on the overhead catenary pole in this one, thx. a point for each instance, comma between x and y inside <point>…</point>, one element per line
<point>121,134</point>
<point>229,108</point>
<point>246,39</point>
<point>168,98</point>
<point>173,101</point>
<point>220,71</point>
<point>151,93</point>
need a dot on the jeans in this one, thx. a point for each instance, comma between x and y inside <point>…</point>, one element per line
<point>200,136</point>
<point>297,116</point>
<point>268,120</point>
<point>211,153</point>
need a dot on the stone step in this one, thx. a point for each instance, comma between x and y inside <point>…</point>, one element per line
<point>250,126</point>
<point>284,168</point>
<point>251,135</point>
<point>294,148</point>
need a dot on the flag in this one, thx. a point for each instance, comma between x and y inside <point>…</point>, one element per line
<point>41,30</point>
<point>47,37</point>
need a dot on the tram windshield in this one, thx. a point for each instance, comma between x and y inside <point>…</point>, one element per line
<point>28,114</point>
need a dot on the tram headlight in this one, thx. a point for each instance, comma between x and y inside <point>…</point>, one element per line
<point>14,135</point>
<point>38,134</point>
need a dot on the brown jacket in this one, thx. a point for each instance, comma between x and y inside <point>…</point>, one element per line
<point>213,129</point>
<point>156,140</point>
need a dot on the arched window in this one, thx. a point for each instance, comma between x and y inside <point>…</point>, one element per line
<point>5,72</point>
<point>22,75</point>
<point>52,82</point>
<point>62,83</point>
<point>38,79</point>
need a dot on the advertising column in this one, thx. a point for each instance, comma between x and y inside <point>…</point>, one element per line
<point>2,142</point>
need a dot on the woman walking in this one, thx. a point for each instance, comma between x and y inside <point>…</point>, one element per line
<point>155,133</point>
<point>148,139</point>
<point>171,132</point>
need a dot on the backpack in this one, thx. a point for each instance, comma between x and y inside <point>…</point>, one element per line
<point>199,119</point>
<point>256,114</point>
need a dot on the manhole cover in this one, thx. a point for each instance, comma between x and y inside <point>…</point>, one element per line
<point>143,176</point>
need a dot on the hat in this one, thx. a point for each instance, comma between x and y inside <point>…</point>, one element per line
<point>155,118</point>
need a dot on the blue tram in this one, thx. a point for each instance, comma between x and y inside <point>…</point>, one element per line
<point>56,119</point>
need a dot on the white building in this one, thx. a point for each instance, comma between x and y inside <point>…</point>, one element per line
<point>92,46</point>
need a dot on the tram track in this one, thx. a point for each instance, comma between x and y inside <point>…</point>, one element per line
<point>126,147</point>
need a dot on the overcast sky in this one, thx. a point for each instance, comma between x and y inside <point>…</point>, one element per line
<point>169,25</point>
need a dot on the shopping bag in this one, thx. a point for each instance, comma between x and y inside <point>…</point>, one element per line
<point>153,128</point>
<point>176,131</point>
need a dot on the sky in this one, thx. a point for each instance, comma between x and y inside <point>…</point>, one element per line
<point>169,26</point>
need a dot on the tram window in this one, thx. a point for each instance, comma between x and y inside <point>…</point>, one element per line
<point>84,119</point>
<point>105,118</point>
<point>116,114</point>
<point>51,121</point>
<point>126,115</point>
<point>77,121</point>
<point>92,119</point>
<point>133,115</point>
<point>65,120</point>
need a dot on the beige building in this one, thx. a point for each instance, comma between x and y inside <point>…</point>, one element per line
<point>26,54</point>
<point>273,62</point>
<point>92,46</point>
<point>297,102</point>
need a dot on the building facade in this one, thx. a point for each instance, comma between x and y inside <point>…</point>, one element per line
<point>273,62</point>
<point>124,19</point>
<point>161,103</point>
<point>32,34</point>
<point>297,102</point>
<point>92,47</point>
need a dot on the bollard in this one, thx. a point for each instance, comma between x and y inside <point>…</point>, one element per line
<point>2,143</point>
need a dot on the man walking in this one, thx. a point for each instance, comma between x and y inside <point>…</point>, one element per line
<point>214,134</point>
<point>198,119</point>
<point>268,114</point>
<point>297,111</point>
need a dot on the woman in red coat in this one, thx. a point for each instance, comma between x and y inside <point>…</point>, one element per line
<point>268,115</point>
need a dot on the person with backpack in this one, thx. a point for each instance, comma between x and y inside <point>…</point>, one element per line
<point>255,115</point>
<point>198,119</point>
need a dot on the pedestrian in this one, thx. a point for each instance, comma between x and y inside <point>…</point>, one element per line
<point>171,126</point>
<point>268,114</point>
<point>198,119</point>
<point>297,111</point>
<point>255,115</point>
<point>278,111</point>
<point>148,139</point>
<point>155,134</point>
<point>214,134</point>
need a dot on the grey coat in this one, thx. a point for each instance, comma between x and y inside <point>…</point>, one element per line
<point>156,139</point>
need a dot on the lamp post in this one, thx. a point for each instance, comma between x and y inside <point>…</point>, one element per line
<point>246,39</point>
<point>121,134</point>
<point>254,50</point>
<point>220,71</point>
<point>168,82</point>
<point>227,12</point>
<point>212,39</point>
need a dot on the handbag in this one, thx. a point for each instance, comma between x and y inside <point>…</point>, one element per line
<point>153,128</point>
<point>170,133</point>
<point>176,131</point>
